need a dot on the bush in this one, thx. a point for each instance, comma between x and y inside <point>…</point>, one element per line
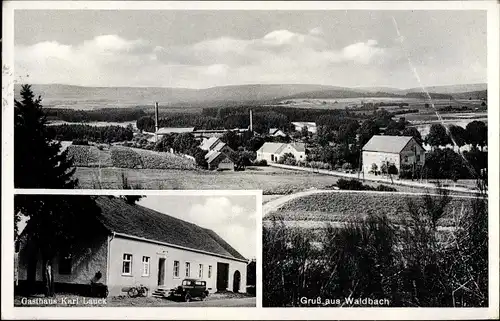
<point>356,185</point>
<point>261,162</point>
<point>385,188</point>
<point>352,184</point>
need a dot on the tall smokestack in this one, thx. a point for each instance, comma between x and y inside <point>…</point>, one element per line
<point>156,121</point>
<point>251,121</point>
<point>156,117</point>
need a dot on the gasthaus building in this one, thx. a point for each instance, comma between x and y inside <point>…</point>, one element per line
<point>134,245</point>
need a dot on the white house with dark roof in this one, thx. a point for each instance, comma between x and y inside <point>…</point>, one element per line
<point>271,152</point>
<point>397,150</point>
<point>134,245</point>
<point>311,126</point>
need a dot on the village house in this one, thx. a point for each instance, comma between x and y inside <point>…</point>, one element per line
<point>271,152</point>
<point>276,132</point>
<point>218,154</point>
<point>311,126</point>
<point>134,245</point>
<point>397,150</point>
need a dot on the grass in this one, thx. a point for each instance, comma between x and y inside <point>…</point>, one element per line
<point>273,181</point>
<point>339,207</point>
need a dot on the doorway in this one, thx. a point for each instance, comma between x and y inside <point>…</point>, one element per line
<point>236,281</point>
<point>222,276</point>
<point>161,271</point>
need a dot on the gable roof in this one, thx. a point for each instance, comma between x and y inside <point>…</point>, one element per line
<point>135,220</point>
<point>300,147</point>
<point>220,145</point>
<point>208,143</point>
<point>271,147</point>
<point>304,123</point>
<point>170,130</point>
<point>387,144</point>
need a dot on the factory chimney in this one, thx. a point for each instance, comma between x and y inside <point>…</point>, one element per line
<point>156,121</point>
<point>251,121</point>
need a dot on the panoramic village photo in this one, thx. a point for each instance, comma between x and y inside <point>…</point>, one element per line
<point>129,250</point>
<point>366,130</point>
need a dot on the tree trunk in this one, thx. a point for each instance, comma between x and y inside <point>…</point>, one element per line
<point>31,272</point>
<point>48,277</point>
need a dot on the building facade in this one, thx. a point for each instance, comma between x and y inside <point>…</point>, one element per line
<point>272,152</point>
<point>397,150</point>
<point>134,245</point>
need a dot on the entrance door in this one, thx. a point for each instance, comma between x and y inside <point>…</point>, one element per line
<point>236,281</point>
<point>161,271</point>
<point>222,276</point>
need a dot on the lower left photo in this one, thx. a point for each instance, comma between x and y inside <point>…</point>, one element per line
<point>133,250</point>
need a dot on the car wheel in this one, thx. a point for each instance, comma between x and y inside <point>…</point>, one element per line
<point>187,297</point>
<point>203,296</point>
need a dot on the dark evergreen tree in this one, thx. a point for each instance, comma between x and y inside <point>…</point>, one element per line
<point>38,160</point>
<point>56,222</point>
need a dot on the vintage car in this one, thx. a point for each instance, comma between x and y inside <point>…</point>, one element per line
<point>190,289</point>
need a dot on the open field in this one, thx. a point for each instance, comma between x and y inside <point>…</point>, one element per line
<point>314,210</point>
<point>273,181</point>
<point>126,157</point>
<point>342,103</point>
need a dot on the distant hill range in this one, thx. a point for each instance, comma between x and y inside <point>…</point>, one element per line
<point>68,96</point>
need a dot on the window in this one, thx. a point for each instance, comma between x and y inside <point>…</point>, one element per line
<point>145,265</point>
<point>406,159</point>
<point>176,269</point>
<point>127,264</point>
<point>65,264</point>
<point>272,157</point>
<point>418,158</point>
<point>209,271</point>
<point>200,271</point>
<point>188,269</point>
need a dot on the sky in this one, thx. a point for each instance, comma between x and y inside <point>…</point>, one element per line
<point>200,49</point>
<point>232,217</point>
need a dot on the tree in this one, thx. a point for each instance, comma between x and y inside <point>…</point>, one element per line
<point>255,143</point>
<point>165,143</point>
<point>231,139</point>
<point>445,164</point>
<point>413,132</point>
<point>374,169</point>
<point>184,142</point>
<point>38,160</point>
<point>199,157</point>
<point>146,123</point>
<point>438,136</point>
<point>55,222</point>
<point>459,134</point>
<point>347,132</point>
<point>305,131</point>
<point>367,130</point>
<point>477,133</point>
